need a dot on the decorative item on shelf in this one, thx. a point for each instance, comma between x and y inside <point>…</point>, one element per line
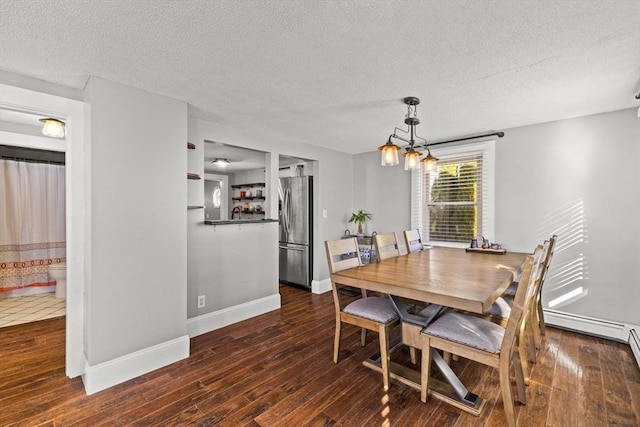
<point>360,218</point>
<point>243,194</point>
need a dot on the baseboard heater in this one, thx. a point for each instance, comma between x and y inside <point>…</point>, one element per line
<point>634,342</point>
<point>591,326</point>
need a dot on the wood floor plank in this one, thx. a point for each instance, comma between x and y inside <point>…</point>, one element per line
<point>277,370</point>
<point>591,403</point>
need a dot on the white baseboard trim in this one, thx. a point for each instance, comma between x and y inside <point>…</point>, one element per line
<point>589,325</point>
<point>230,315</point>
<point>634,342</point>
<point>320,286</point>
<point>604,328</point>
<point>107,374</point>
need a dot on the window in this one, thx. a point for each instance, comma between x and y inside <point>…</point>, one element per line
<point>454,203</point>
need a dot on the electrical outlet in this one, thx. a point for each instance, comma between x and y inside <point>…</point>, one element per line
<point>201,302</point>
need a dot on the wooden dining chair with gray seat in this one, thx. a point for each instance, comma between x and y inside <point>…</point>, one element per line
<point>483,341</point>
<point>413,240</point>
<point>538,320</point>
<point>386,246</point>
<point>534,328</point>
<point>369,313</point>
<point>500,312</point>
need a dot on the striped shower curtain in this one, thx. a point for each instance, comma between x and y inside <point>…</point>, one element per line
<point>32,225</point>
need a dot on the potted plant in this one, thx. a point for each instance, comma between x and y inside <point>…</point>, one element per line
<point>359,218</point>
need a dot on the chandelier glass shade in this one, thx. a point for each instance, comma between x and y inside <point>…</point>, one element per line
<point>411,160</point>
<point>430,162</point>
<point>389,153</point>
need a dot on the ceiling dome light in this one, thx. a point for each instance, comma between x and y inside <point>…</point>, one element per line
<point>53,128</point>
<point>221,163</point>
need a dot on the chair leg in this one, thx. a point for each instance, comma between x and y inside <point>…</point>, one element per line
<point>541,317</point>
<point>412,352</point>
<point>447,357</point>
<point>363,337</point>
<point>384,355</point>
<point>531,342</point>
<point>535,326</point>
<point>522,360</point>
<point>522,393</point>
<point>336,341</point>
<point>507,397</point>
<point>425,366</point>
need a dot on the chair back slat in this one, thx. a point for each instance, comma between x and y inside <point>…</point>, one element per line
<point>386,246</point>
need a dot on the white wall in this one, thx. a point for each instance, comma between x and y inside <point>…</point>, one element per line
<point>382,191</point>
<point>137,240</point>
<point>332,192</point>
<point>578,178</point>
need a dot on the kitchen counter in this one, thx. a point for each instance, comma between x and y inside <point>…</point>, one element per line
<point>240,221</point>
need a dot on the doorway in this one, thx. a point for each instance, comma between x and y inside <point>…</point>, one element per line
<point>16,99</point>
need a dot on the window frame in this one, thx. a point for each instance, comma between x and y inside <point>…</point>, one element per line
<point>418,206</point>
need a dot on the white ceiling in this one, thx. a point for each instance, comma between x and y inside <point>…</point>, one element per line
<point>333,73</point>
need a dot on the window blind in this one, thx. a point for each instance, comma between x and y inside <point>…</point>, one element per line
<point>455,202</point>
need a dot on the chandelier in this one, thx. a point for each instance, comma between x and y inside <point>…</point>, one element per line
<point>412,160</point>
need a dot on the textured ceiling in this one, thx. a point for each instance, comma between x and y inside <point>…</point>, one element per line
<point>333,73</point>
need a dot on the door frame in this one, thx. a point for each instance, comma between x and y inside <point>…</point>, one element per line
<point>73,112</point>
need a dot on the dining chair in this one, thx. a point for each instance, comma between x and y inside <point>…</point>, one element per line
<point>369,313</point>
<point>500,312</point>
<point>539,325</point>
<point>413,240</point>
<point>483,341</point>
<point>386,246</point>
<point>502,306</point>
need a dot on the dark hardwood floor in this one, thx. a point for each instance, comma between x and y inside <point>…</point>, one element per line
<point>277,370</point>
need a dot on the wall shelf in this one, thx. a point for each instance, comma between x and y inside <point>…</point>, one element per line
<point>255,184</point>
<point>191,146</point>
<point>247,198</point>
<point>195,207</point>
<point>191,175</point>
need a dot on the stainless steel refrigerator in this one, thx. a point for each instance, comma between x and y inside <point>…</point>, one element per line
<point>296,229</point>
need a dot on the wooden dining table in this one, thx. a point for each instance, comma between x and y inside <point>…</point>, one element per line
<point>450,277</point>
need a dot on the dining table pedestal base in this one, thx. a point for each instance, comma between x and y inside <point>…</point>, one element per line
<point>437,389</point>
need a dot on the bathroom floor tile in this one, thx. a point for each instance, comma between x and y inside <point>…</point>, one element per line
<point>17,310</point>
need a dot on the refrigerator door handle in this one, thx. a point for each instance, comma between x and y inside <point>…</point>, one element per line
<point>289,248</point>
<point>287,210</point>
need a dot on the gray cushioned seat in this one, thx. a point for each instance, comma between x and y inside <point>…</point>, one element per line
<point>511,289</point>
<point>378,309</point>
<point>468,330</point>
<point>501,308</point>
